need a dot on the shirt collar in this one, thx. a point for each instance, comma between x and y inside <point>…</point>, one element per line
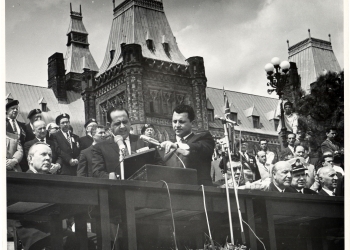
<point>33,170</point>
<point>328,192</point>
<point>178,138</point>
<point>41,139</point>
<point>280,190</point>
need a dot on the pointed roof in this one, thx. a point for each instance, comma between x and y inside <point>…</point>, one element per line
<point>78,55</point>
<point>312,56</point>
<point>135,22</point>
<point>251,111</point>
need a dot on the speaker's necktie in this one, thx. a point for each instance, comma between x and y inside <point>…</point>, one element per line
<point>14,126</point>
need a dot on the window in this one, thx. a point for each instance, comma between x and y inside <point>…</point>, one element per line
<point>210,115</point>
<point>256,121</point>
<point>276,122</point>
<point>44,107</point>
<point>234,117</point>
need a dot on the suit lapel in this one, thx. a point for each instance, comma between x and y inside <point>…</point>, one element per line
<point>8,126</point>
<point>60,133</point>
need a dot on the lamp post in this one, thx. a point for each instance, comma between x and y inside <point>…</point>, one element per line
<point>277,74</point>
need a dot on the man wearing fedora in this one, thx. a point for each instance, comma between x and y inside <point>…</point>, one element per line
<point>69,144</point>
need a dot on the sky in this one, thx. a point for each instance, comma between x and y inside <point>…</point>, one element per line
<point>236,38</point>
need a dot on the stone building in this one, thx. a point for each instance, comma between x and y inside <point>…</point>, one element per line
<point>144,71</point>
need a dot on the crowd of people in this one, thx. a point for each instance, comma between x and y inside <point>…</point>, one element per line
<point>53,148</point>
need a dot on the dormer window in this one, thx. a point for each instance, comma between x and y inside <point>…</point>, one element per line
<point>43,104</point>
<point>276,123</point>
<point>256,121</point>
<point>9,98</point>
<point>234,117</point>
<point>210,115</point>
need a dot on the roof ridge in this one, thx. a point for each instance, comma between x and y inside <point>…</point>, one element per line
<point>27,84</point>
<point>242,92</point>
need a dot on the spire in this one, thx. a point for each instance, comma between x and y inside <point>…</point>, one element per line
<point>288,43</point>
<point>329,35</point>
<point>309,33</point>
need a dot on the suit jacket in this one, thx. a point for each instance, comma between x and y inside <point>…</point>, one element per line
<point>253,167</point>
<point>67,153</point>
<point>85,163</point>
<point>323,193</point>
<point>14,150</point>
<point>21,126</point>
<point>85,142</point>
<point>272,188</point>
<point>29,133</point>
<point>201,150</point>
<point>307,191</point>
<point>105,156</point>
<point>56,151</point>
<point>329,146</point>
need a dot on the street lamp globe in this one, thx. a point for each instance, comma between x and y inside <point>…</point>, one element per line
<point>285,66</point>
<point>269,67</point>
<point>275,61</point>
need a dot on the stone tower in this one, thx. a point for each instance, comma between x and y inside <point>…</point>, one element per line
<point>144,71</point>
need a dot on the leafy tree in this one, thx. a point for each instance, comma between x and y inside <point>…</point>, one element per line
<point>323,107</point>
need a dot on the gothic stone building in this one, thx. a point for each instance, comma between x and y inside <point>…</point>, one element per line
<point>145,72</point>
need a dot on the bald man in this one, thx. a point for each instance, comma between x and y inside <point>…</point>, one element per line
<point>263,166</point>
<point>328,179</point>
<point>281,178</point>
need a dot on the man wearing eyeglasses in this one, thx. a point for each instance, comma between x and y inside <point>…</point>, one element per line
<point>39,128</point>
<point>105,155</point>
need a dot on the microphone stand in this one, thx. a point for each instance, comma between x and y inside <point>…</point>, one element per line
<point>224,122</point>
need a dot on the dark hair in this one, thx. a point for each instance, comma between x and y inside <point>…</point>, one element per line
<point>234,158</point>
<point>183,108</point>
<point>112,109</point>
<point>330,128</point>
<point>295,136</point>
<point>95,127</point>
<point>288,103</point>
<point>323,159</point>
<point>146,126</point>
<point>263,140</point>
<point>299,145</point>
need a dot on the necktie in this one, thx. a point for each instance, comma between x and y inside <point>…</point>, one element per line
<point>69,140</point>
<point>14,126</point>
<point>126,148</point>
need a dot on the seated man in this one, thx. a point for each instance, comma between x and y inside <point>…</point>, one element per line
<point>270,156</point>
<point>190,150</point>
<point>299,178</point>
<point>98,133</point>
<point>40,133</point>
<point>328,180</point>
<point>105,155</point>
<point>281,178</point>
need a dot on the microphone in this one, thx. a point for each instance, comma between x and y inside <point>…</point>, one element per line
<point>149,140</point>
<point>226,120</point>
<point>120,141</point>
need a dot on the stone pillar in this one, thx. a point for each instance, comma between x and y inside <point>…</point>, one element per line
<point>199,84</point>
<point>132,58</point>
<point>89,104</point>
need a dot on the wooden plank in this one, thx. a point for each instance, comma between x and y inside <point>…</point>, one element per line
<point>270,225</point>
<point>130,219</point>
<point>81,230</point>
<point>251,222</point>
<point>51,194</point>
<point>104,219</point>
<point>304,208</point>
<point>56,233</point>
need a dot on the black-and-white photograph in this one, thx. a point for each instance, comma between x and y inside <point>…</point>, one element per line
<point>175,124</point>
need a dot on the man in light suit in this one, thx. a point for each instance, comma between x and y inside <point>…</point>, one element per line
<point>281,178</point>
<point>105,155</point>
<point>190,150</point>
<point>69,144</point>
<point>40,133</point>
<point>98,134</point>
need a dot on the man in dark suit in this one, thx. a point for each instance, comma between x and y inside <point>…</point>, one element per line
<point>328,179</point>
<point>330,145</point>
<point>69,144</point>
<point>190,150</point>
<point>86,141</point>
<point>291,138</point>
<point>98,134</point>
<point>12,125</point>
<point>299,178</point>
<point>105,155</point>
<point>40,136</point>
<point>281,178</point>
<point>34,115</point>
